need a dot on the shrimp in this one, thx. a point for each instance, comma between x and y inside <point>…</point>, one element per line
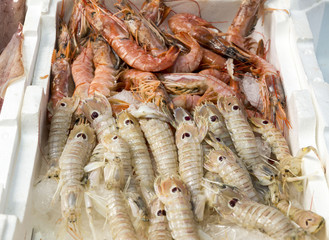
<point>60,68</point>
<point>130,131</point>
<point>212,59</point>
<point>155,11</point>
<point>190,61</point>
<point>105,73</point>
<point>244,140</point>
<point>190,157</point>
<point>194,83</point>
<point>173,193</point>
<point>83,73</point>
<point>236,208</point>
<point>205,33</point>
<point>186,101</point>
<point>159,229</point>
<point>216,123</point>
<point>98,111</point>
<point>288,165</point>
<point>76,153</point>
<point>146,85</point>
<point>117,35</point>
<point>223,76</point>
<point>244,22</point>
<point>59,130</point>
<point>147,35</point>
<point>162,143</point>
<point>78,24</point>
<point>223,161</point>
<point>308,220</point>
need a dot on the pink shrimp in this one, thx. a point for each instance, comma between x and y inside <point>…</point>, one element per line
<point>82,72</point>
<point>186,101</point>
<point>212,59</point>
<point>223,76</point>
<point>117,35</point>
<point>190,61</point>
<point>105,73</point>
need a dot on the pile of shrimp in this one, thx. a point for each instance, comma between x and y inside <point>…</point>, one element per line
<point>186,149</point>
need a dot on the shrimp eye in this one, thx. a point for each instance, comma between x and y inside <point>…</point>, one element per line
<point>93,13</point>
<point>218,139</point>
<point>115,137</point>
<point>175,189</point>
<point>159,213</point>
<point>229,104</point>
<point>62,55</point>
<point>63,104</point>
<point>235,107</point>
<point>82,135</point>
<point>265,122</point>
<point>187,118</point>
<point>164,213</point>
<point>213,118</point>
<point>185,135</point>
<point>221,158</point>
<point>128,121</point>
<point>94,115</point>
<point>233,202</point>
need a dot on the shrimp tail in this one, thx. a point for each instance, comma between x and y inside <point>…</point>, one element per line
<point>199,204</point>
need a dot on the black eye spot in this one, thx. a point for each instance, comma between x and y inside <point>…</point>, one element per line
<point>94,115</point>
<point>233,202</point>
<point>63,104</point>
<point>159,213</point>
<point>265,122</point>
<point>175,189</point>
<point>128,121</point>
<point>213,118</point>
<point>93,13</point>
<point>164,213</point>
<point>62,55</point>
<point>286,170</point>
<point>218,139</point>
<point>185,135</point>
<point>236,107</point>
<point>115,137</point>
<point>82,135</point>
<point>229,104</point>
<point>221,158</point>
<point>187,118</point>
<point>270,161</point>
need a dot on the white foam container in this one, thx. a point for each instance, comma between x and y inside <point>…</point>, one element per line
<point>24,133</point>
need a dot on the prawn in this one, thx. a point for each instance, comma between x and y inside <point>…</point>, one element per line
<point>308,220</point>
<point>212,59</point>
<point>223,76</point>
<point>60,68</point>
<point>244,140</point>
<point>117,35</point>
<point>173,193</point>
<point>190,61</point>
<point>186,101</point>
<point>155,11</point>
<point>235,207</point>
<point>83,73</point>
<point>146,85</point>
<point>194,83</point>
<point>59,130</point>
<point>76,153</point>
<point>162,143</point>
<point>148,36</point>
<point>105,73</point>
<point>244,22</point>
<point>190,157</point>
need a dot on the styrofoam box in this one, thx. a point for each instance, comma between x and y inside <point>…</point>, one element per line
<point>26,153</point>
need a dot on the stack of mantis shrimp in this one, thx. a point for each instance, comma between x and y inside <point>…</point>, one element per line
<point>187,143</point>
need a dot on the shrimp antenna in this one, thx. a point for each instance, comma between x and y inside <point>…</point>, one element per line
<point>183,1</point>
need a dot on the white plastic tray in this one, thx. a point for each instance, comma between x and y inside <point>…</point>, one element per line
<point>26,152</point>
